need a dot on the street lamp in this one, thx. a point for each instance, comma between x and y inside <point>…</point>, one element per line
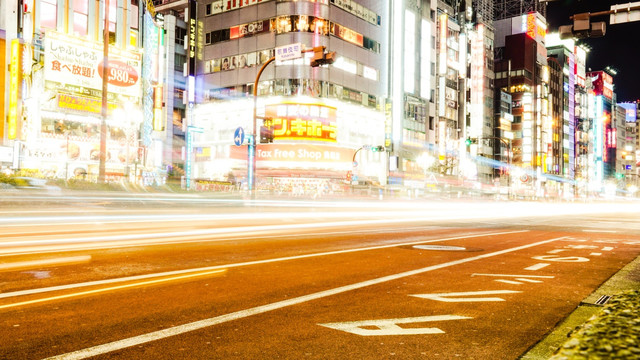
<point>320,57</point>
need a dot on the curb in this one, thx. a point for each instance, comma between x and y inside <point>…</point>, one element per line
<point>571,338</point>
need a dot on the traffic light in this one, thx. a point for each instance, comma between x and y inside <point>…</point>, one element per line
<point>322,58</point>
<point>582,28</point>
<point>470,141</point>
<point>266,131</point>
<point>377,148</point>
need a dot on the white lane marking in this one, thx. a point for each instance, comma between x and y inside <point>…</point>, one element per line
<point>595,254</point>
<point>536,267</point>
<point>561,258</point>
<point>556,251</point>
<point>454,296</point>
<point>511,282</point>
<point>196,325</point>
<point>22,265</point>
<point>607,248</point>
<point>529,280</point>
<point>388,327</point>
<point>600,231</point>
<point>516,276</point>
<point>228,266</point>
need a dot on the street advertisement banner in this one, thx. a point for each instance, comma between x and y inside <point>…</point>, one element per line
<point>74,65</point>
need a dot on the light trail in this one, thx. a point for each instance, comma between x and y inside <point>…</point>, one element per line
<point>112,288</point>
<point>31,264</point>
<point>249,263</point>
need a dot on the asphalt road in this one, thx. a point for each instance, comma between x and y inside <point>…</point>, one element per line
<point>192,278</point>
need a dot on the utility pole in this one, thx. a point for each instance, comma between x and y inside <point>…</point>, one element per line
<point>105,82</point>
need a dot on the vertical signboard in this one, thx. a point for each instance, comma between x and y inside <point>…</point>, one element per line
<point>193,34</point>
<point>149,77</point>
<point>477,82</point>
<point>14,90</point>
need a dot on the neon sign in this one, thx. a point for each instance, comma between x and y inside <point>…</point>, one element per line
<point>293,121</point>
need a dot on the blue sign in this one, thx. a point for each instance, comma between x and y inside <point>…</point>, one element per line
<point>238,136</point>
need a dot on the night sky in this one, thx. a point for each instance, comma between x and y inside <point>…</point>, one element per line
<point>619,48</point>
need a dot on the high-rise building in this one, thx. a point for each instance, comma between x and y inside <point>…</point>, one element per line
<point>319,116</point>
<point>54,116</point>
<point>521,70</point>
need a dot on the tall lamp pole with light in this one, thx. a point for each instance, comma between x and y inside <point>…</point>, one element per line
<point>287,52</point>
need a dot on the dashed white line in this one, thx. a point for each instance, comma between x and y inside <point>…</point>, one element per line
<point>537,267</point>
<point>607,248</point>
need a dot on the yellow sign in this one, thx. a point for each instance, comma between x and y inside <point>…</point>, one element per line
<point>82,104</point>
<point>14,89</point>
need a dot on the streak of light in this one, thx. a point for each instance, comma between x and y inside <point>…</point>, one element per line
<point>113,288</point>
<point>218,231</point>
<point>462,209</point>
<point>249,263</point>
<point>31,264</point>
<point>201,324</point>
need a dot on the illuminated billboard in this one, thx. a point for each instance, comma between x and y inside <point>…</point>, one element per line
<point>74,65</point>
<point>602,83</point>
<point>631,111</point>
<point>293,121</point>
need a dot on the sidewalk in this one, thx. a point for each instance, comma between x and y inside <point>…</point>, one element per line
<point>594,331</point>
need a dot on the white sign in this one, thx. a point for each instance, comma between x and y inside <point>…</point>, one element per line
<point>622,15</point>
<point>75,65</point>
<point>6,154</point>
<point>289,52</point>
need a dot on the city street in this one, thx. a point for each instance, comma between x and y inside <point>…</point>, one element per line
<point>178,277</point>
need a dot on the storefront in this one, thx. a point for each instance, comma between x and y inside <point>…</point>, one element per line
<point>313,147</point>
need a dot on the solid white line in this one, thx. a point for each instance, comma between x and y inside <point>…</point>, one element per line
<point>508,281</point>
<point>516,276</point>
<point>182,329</point>
<point>529,280</point>
<point>537,267</point>
<point>600,231</point>
<point>228,266</point>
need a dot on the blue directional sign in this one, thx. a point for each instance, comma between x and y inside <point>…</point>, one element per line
<point>238,136</point>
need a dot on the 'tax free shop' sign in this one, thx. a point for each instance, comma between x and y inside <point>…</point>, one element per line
<point>273,155</point>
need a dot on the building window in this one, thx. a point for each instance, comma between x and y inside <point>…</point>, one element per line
<point>180,35</point>
<point>49,10</point>
<point>80,17</point>
<point>179,61</point>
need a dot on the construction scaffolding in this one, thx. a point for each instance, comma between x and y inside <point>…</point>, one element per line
<point>505,9</point>
<point>484,11</point>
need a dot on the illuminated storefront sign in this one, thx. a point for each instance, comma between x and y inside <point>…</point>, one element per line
<point>14,89</point>
<point>193,33</point>
<point>298,156</point>
<point>80,103</point>
<point>303,122</point>
<point>347,34</point>
<point>75,66</point>
<point>253,28</point>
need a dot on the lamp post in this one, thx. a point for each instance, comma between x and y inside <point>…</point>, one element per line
<point>105,74</point>
<point>287,52</point>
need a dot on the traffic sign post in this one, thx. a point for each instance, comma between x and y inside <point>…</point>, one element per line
<point>189,153</point>
<point>238,136</point>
